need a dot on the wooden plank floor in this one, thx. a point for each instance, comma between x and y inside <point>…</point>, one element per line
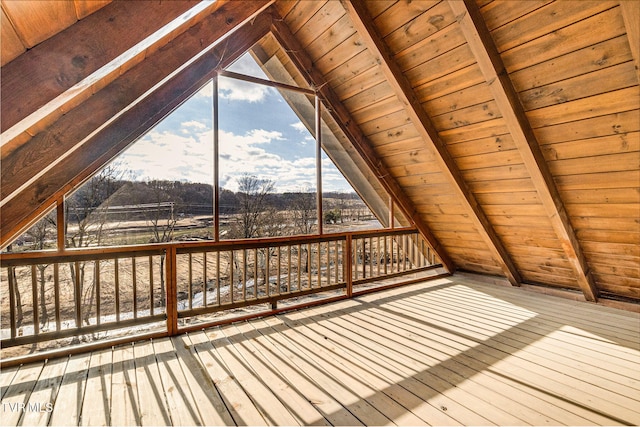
<point>453,351</point>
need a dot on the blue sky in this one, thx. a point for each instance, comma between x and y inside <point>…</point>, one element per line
<point>259,135</point>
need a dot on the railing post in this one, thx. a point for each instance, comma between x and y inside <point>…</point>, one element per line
<point>172,290</point>
<point>348,263</point>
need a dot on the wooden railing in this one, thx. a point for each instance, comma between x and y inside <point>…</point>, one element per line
<point>92,294</point>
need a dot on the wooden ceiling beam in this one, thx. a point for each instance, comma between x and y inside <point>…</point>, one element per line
<point>363,23</point>
<point>52,67</point>
<point>631,16</point>
<point>136,119</point>
<point>488,58</point>
<point>360,143</point>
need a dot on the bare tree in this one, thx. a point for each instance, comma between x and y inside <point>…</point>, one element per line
<point>304,212</point>
<point>42,232</point>
<point>253,198</point>
<point>255,217</point>
<point>163,223</point>
<point>86,219</point>
<point>16,291</point>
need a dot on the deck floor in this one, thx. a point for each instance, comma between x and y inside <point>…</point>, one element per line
<point>452,351</point>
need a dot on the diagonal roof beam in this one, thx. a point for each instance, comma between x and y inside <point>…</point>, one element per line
<point>363,22</point>
<point>106,143</point>
<point>631,15</point>
<point>56,73</point>
<point>484,49</point>
<point>342,117</point>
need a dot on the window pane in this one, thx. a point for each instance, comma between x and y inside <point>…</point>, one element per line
<point>267,162</point>
<point>40,236</point>
<point>342,208</point>
<point>160,189</point>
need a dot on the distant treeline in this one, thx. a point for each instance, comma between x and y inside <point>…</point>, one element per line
<point>184,198</point>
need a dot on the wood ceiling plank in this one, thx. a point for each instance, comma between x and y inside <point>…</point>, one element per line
<point>400,147</point>
<point>355,135</point>
<point>491,144</point>
<point>515,198</point>
<point>372,112</point>
<point>552,279</point>
<point>11,46</point>
<point>592,127</point>
<point>507,158</point>
<point>363,81</point>
<point>597,164</point>
<point>582,61</point>
<point>626,237</point>
<point>545,20</point>
<point>85,8</point>
<point>402,86</point>
<point>353,67</point>
<point>285,6</point>
<point>301,13</point>
<point>583,86</point>
<point>617,101</point>
<point>449,83</point>
<point>517,181</point>
<point>37,21</point>
<point>598,195</point>
<point>415,169</point>
<point>440,66</point>
<point>504,178</point>
<point>631,17</point>
<point>489,61</point>
<point>334,34</point>
<point>425,50</point>
<point>587,32</point>
<point>617,179</point>
<point>379,6</point>
<point>54,66</point>
<point>386,122</point>
<point>625,225</point>
<point>119,130</point>
<point>628,251</point>
<point>326,17</point>
<point>394,134</point>
<point>398,14</point>
<point>499,13</point>
<point>466,97</point>
<point>604,210</point>
<point>466,116</point>
<point>337,56</point>
<point>424,25</point>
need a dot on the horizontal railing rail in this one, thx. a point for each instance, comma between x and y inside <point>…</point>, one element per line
<point>94,293</point>
<point>76,293</point>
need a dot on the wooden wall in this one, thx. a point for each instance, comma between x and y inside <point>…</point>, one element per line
<point>572,68</point>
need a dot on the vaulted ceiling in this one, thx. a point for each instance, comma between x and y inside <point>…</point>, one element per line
<point>508,131</point>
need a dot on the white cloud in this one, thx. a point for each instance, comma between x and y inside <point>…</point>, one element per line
<point>194,124</point>
<point>165,155</point>
<point>238,90</point>
<point>247,65</point>
<point>300,127</point>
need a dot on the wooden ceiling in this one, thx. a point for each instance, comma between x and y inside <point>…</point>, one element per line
<point>509,131</point>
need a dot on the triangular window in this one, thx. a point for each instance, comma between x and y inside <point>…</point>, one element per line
<point>256,155</point>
